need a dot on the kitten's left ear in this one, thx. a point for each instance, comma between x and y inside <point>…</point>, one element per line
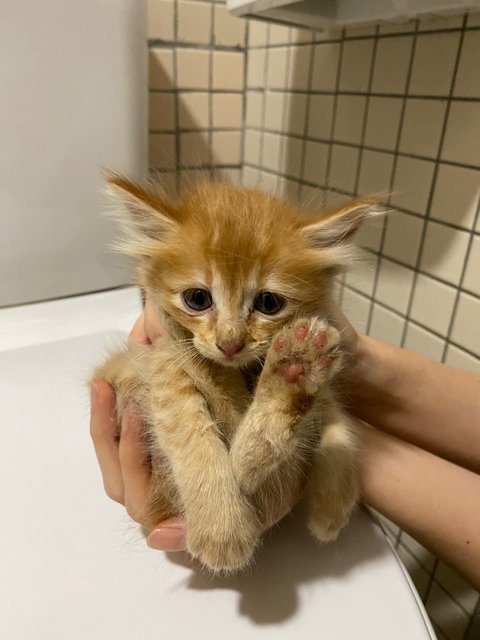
<point>337,227</point>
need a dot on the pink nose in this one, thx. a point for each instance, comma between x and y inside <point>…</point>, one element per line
<point>230,348</point>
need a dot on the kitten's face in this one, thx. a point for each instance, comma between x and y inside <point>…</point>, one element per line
<point>232,266</point>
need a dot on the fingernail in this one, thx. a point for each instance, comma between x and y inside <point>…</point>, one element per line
<point>167,538</point>
<point>94,392</point>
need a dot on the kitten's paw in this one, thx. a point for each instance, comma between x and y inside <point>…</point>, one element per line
<point>304,355</point>
<point>328,519</point>
<point>226,542</point>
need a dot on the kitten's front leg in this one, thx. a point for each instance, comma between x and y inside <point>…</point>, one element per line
<point>301,358</point>
<point>334,483</point>
<point>222,528</point>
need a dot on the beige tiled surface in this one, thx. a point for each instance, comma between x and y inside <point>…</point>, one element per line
<point>194,25</point>
<point>423,342</point>
<point>343,168</point>
<point>227,110</point>
<point>160,19</point>
<point>320,116</point>
<point>229,30</point>
<point>356,64</point>
<point>433,304</point>
<point>391,65</point>
<point>386,325</point>
<point>228,70</point>
<point>160,69</point>
<point>463,132</point>
<point>192,69</point>
<point>467,83</point>
<point>444,252</point>
<point>161,111</point>
<point>394,285</point>
<point>402,238</point>
<point>349,118</point>
<point>277,68</point>
<point>193,110</point>
<point>422,126</point>
<point>433,64</point>
<point>456,195</point>
<point>325,62</point>
<point>471,280</point>
<point>375,172</point>
<point>383,119</point>
<point>467,320</point>
<point>411,187</point>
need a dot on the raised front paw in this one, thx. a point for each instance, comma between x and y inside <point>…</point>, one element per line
<point>304,355</point>
<point>224,539</point>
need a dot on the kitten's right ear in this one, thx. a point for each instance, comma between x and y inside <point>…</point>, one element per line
<point>147,215</point>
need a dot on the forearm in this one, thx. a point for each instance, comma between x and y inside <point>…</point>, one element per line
<point>426,403</point>
<point>435,501</point>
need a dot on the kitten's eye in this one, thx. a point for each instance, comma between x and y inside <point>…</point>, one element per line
<point>268,303</point>
<point>197,299</point>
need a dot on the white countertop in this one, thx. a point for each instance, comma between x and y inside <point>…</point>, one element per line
<point>73,566</point>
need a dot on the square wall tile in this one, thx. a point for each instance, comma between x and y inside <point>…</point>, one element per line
<point>320,116</point>
<point>417,573</point>
<point>473,19</point>
<point>192,69</point>
<point>402,239</point>
<point>295,113</point>
<point>383,120</point>
<point>370,234</point>
<point>394,285</point>
<point>446,613</point>
<point>471,280</point>
<point>422,127</point>
<point>193,110</point>
<point>229,30</point>
<point>250,177</point>
<point>325,66</point>
<point>375,172</point>
<point>426,344</point>
<point>456,195</point>
<point>274,110</point>
<point>467,320</point>
<point>161,111</point>
<point>277,68</point>
<point>194,149</point>
<point>227,110</point>
<point>463,133</point>
<point>357,308</point>
<point>343,168</point>
<point>256,68</point>
<point>279,34</point>
<point>252,146</point>
<point>267,182</point>
<point>361,274</point>
<point>356,65</point>
<point>299,67</point>
<point>162,150</point>
<point>467,82</point>
<point>292,156</point>
<point>391,65</point>
<point>444,252</point>
<point>271,151</point>
<point>411,187</point>
<point>433,64</point>
<point>160,67</point>
<point>433,304</point>
<point>194,24</point>
<point>227,147</point>
<point>316,162</point>
<point>350,113</point>
<point>228,69</point>
<point>298,34</point>
<point>458,358</point>
<point>160,20</point>
<point>457,587</point>
<point>254,108</point>
<point>386,325</point>
<point>257,33</point>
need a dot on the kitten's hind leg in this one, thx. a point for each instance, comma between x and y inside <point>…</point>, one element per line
<point>333,484</point>
<point>300,360</point>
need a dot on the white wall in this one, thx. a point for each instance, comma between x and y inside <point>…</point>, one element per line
<point>72,100</point>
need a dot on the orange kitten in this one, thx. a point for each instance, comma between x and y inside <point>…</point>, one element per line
<point>239,279</point>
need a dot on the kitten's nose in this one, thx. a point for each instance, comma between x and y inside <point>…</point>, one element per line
<point>230,348</point>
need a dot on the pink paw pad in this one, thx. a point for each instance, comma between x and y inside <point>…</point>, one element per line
<point>301,332</point>
<point>326,362</point>
<point>320,340</point>
<point>291,372</point>
<point>279,343</point>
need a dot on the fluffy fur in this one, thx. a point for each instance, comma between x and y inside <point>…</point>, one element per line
<point>237,403</point>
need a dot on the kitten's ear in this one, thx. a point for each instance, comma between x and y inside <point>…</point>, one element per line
<point>337,227</point>
<point>147,214</point>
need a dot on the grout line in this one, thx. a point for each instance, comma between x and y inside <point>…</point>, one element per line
<point>326,184</point>
<point>432,191</point>
<point>392,177</point>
